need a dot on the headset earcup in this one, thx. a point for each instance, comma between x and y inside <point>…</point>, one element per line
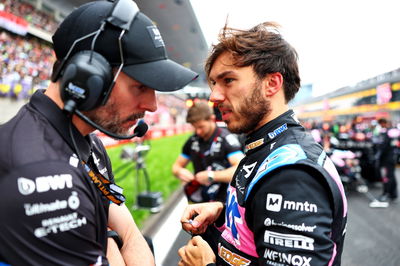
<point>86,78</point>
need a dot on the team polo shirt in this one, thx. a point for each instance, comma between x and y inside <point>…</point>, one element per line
<point>51,213</point>
<point>211,154</point>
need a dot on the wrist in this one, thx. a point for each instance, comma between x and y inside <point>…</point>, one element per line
<point>210,176</point>
<point>114,235</point>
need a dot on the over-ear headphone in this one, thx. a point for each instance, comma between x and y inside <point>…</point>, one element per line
<point>86,79</point>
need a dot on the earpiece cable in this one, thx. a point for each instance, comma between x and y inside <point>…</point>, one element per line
<point>73,140</point>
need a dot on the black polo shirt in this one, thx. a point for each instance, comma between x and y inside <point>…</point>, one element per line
<point>210,154</point>
<point>50,212</point>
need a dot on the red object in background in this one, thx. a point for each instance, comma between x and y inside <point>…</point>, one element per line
<point>13,23</point>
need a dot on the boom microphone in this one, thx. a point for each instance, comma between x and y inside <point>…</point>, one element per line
<point>139,131</point>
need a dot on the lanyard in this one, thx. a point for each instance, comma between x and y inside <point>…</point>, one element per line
<point>110,190</point>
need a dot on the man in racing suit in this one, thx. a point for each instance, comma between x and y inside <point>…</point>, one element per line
<point>214,152</point>
<point>285,204</point>
<point>58,195</point>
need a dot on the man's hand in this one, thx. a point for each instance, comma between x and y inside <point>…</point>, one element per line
<point>197,217</point>
<point>197,252</point>
<point>185,175</point>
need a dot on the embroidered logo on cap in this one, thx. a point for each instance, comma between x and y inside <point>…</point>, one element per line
<point>156,36</point>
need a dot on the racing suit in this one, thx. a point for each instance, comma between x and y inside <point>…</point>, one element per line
<point>211,154</point>
<point>285,205</point>
<point>51,213</point>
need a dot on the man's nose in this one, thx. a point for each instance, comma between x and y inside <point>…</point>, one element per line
<point>148,101</point>
<point>216,95</point>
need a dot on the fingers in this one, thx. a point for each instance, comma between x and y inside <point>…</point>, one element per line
<point>185,175</point>
<point>181,252</point>
<point>196,240</point>
<point>197,225</point>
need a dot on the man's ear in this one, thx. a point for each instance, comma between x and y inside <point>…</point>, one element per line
<point>213,118</point>
<point>273,83</point>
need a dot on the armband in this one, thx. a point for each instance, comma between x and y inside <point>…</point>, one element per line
<point>114,235</point>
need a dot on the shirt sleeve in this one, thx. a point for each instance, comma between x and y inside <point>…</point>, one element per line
<point>50,215</point>
<point>232,145</point>
<point>291,218</point>
<point>187,149</point>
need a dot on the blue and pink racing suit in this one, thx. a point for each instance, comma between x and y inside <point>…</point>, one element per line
<point>285,205</point>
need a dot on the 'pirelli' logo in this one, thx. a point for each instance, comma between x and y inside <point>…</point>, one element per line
<point>232,258</point>
<point>289,240</point>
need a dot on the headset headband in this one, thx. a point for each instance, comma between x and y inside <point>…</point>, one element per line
<point>122,15</point>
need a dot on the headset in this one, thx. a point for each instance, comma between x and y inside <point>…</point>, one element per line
<point>86,79</point>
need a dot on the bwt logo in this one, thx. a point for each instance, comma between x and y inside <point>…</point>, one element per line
<point>44,183</point>
<point>274,204</point>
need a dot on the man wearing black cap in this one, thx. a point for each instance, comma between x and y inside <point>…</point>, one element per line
<point>58,195</point>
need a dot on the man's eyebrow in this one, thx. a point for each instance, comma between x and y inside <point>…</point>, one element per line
<point>222,75</point>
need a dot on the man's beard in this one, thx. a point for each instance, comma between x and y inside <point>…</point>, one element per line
<point>251,111</point>
<point>108,118</point>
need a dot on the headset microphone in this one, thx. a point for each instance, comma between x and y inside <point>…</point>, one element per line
<point>139,131</point>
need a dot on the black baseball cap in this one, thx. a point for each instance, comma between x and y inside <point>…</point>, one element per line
<point>145,57</point>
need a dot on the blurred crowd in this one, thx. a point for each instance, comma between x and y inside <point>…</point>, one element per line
<point>26,65</point>
<point>33,16</point>
<point>362,136</point>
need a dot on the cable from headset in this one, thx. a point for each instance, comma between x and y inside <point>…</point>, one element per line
<point>73,140</point>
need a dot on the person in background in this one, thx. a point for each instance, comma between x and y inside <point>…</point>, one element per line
<point>60,204</point>
<point>214,153</point>
<point>285,204</point>
<point>386,156</point>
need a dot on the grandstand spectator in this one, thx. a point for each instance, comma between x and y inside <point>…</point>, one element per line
<point>27,63</point>
<point>33,16</point>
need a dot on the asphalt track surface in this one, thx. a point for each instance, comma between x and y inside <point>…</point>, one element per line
<point>372,238</point>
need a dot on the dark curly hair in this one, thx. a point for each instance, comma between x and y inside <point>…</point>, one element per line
<point>263,48</point>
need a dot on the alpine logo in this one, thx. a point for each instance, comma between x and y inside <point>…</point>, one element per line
<point>289,240</point>
<point>44,183</point>
<point>248,169</point>
<point>275,203</point>
<point>155,36</point>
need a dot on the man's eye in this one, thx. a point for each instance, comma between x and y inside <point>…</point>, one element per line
<point>228,80</point>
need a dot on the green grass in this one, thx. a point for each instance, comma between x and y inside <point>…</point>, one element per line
<point>158,161</point>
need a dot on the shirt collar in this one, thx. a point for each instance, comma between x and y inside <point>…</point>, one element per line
<point>60,121</point>
<point>270,131</point>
